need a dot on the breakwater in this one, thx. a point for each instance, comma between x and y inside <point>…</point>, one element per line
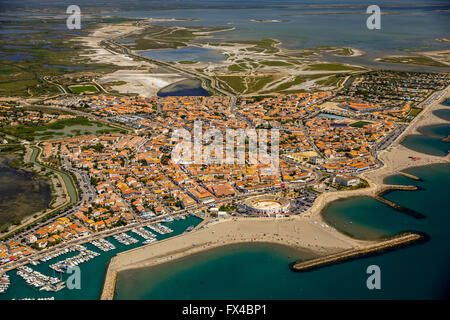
<point>408,211</point>
<point>401,240</point>
<point>408,175</point>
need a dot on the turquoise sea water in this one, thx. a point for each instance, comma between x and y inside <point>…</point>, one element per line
<point>260,271</point>
<point>443,114</point>
<point>430,139</point>
<point>92,272</point>
<point>426,144</point>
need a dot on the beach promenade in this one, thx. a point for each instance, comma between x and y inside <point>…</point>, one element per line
<point>308,231</point>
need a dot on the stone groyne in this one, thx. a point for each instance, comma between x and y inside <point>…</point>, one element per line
<point>411,176</point>
<point>399,241</point>
<point>387,189</point>
<point>109,284</point>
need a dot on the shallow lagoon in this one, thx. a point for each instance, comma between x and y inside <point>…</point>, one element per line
<point>189,53</point>
<point>17,185</point>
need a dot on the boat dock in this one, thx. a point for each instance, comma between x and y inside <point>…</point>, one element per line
<point>144,233</point>
<point>125,239</point>
<point>39,280</point>
<point>401,240</point>
<point>84,256</point>
<point>159,228</point>
<point>4,282</point>
<point>54,255</point>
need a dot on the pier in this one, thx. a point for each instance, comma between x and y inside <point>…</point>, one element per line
<point>408,175</point>
<point>387,189</point>
<point>352,254</point>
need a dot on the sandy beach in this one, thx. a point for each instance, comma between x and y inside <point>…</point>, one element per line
<point>297,232</point>
<point>306,231</point>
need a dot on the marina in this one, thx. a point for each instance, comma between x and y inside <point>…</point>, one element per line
<point>159,228</point>
<point>92,278</point>
<point>144,233</point>
<point>53,255</point>
<point>4,282</point>
<point>125,239</point>
<point>168,219</point>
<point>103,245</point>
<point>84,256</point>
<point>39,280</point>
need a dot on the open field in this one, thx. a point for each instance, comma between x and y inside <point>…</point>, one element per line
<point>84,89</point>
<point>359,124</point>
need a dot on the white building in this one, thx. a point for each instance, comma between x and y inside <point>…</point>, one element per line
<point>346,180</point>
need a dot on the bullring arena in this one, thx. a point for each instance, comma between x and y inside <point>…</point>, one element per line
<point>266,205</point>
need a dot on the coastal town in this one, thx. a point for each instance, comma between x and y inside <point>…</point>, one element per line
<point>128,181</point>
<point>197,150</point>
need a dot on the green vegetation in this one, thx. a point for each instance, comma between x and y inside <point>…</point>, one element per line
<point>331,81</point>
<point>362,184</point>
<point>296,81</point>
<point>276,63</point>
<point>187,62</point>
<point>10,148</point>
<point>257,83</point>
<point>18,80</point>
<point>168,37</point>
<point>83,88</point>
<point>414,111</point>
<point>230,207</point>
<point>331,67</point>
<point>421,61</point>
<point>264,45</point>
<point>237,67</point>
<point>246,84</point>
<point>344,52</point>
<point>359,124</point>
<point>30,65</point>
<point>31,132</point>
<point>234,82</point>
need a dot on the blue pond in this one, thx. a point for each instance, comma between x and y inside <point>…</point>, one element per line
<point>189,53</point>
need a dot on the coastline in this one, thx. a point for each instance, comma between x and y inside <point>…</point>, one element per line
<point>395,159</point>
<point>312,227</point>
<point>321,239</point>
